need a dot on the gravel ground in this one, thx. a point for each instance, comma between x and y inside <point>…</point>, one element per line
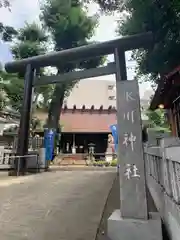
<point>54,205</point>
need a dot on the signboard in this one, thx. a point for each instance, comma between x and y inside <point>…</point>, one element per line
<point>114,132</point>
<point>49,137</point>
<point>132,173</point>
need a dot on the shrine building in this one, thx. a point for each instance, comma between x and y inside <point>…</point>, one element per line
<point>86,116</point>
<point>167,96</point>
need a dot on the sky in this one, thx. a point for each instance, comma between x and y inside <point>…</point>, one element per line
<point>28,11</point>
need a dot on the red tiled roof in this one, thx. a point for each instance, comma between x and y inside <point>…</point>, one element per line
<point>87,121</point>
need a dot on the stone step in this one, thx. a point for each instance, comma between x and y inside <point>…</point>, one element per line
<point>72,162</point>
<point>70,159</point>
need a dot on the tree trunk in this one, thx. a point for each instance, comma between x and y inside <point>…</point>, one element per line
<point>34,104</point>
<point>55,107</point>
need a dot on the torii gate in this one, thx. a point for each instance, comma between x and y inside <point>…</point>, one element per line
<point>130,153</point>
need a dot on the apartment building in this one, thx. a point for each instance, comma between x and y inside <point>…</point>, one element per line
<point>92,92</point>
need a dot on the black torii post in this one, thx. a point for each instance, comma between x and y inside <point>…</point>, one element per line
<point>23,134</point>
<point>69,55</point>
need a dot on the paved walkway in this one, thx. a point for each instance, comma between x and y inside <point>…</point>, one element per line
<point>54,205</point>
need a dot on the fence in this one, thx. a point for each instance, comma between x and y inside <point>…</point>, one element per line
<point>166,172</point>
<point>34,143</point>
<point>7,162</point>
<point>163,181</point>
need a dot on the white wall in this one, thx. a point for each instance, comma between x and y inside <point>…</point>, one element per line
<point>92,92</point>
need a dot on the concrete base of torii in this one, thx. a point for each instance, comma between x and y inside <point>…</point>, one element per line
<point>133,229</point>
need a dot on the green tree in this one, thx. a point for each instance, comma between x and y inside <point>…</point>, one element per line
<point>162,18</point>
<point>30,41</point>
<point>12,90</point>
<point>107,6</point>
<point>7,33</point>
<point>71,28</point>
<point>5,4</point>
<point>157,118</point>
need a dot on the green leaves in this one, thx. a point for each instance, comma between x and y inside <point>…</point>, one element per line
<point>67,25</point>
<point>27,49</point>
<point>163,19</point>
<point>5,4</point>
<point>32,33</point>
<point>7,33</point>
<point>30,41</point>
<point>68,29</point>
<point>12,89</point>
<point>107,6</point>
<point>157,118</point>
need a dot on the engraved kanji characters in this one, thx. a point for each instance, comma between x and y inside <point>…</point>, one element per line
<point>129,139</point>
<point>129,116</point>
<point>131,171</point>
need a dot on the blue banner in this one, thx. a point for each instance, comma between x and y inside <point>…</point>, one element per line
<point>114,132</point>
<point>49,137</point>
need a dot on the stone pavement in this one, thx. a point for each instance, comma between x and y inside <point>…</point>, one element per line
<point>54,205</point>
<point>6,180</point>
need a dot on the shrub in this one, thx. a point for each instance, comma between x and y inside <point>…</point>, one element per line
<point>101,163</point>
<point>107,163</point>
<point>114,163</point>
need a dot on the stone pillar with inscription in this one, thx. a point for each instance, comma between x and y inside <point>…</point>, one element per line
<point>132,221</point>
<point>132,171</point>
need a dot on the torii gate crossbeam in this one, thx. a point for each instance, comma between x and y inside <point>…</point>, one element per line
<point>85,52</point>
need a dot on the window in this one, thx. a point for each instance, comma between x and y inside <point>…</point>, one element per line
<point>110,87</point>
<point>112,98</point>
